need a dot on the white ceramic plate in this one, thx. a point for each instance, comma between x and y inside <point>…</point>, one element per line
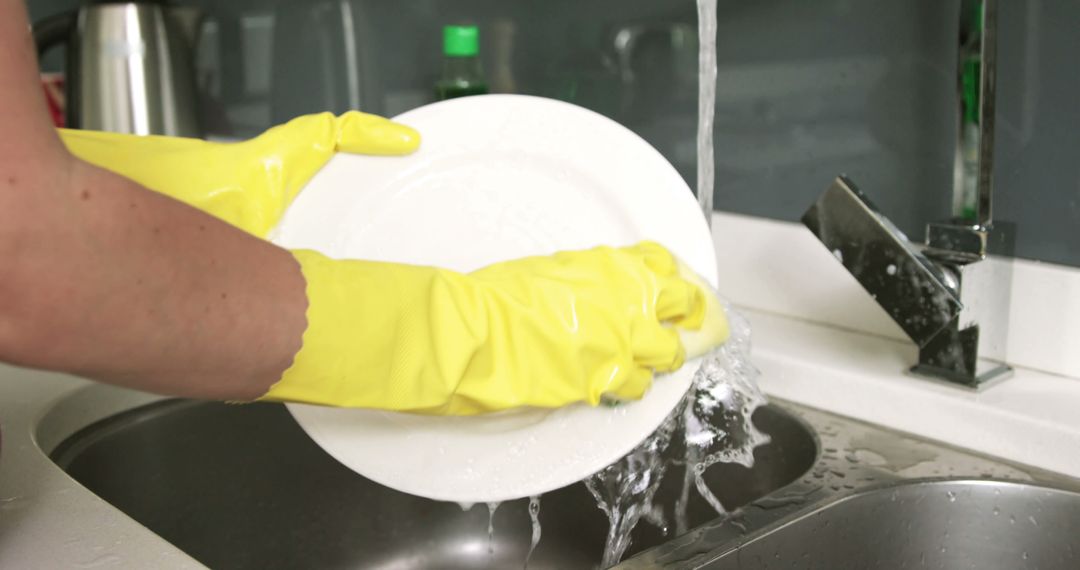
<point>497,177</point>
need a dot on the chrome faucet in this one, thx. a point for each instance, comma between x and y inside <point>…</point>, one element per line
<point>948,295</point>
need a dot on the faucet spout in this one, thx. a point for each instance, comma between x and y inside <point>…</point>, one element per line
<point>914,291</point>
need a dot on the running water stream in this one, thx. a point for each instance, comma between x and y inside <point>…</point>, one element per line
<point>706,104</point>
<point>713,422</point>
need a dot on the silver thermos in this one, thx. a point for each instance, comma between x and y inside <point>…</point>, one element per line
<point>129,67</point>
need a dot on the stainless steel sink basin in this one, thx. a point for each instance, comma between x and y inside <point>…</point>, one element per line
<point>244,487</point>
<point>930,524</point>
<point>881,499</point>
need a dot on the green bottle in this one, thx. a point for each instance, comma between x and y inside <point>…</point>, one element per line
<point>462,74</point>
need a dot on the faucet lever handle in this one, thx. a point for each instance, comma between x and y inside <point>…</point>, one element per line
<point>914,291</point>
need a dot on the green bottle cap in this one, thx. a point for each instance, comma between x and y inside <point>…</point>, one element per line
<point>461,41</point>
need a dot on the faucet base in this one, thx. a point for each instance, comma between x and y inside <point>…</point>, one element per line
<point>954,355</point>
<point>987,374</point>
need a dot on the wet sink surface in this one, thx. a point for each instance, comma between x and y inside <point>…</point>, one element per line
<point>244,487</point>
<point>930,524</point>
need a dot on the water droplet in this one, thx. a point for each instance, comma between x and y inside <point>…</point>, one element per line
<point>534,516</point>
<point>951,495</point>
<point>491,526</point>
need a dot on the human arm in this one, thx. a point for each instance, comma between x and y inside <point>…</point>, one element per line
<point>102,278</point>
<point>116,283</point>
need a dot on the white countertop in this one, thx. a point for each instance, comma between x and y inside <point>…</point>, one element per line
<point>49,521</point>
<point>1030,418</point>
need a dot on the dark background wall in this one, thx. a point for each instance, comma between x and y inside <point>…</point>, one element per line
<point>805,90</point>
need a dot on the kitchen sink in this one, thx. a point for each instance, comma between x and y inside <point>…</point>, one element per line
<point>927,524</point>
<point>242,486</point>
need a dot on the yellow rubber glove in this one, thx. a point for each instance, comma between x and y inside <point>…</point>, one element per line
<point>247,184</point>
<point>542,331</point>
<point>538,331</point>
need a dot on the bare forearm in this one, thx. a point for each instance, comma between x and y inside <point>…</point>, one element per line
<point>104,278</point>
<point>117,283</point>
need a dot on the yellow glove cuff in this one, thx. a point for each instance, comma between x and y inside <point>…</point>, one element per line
<point>361,331</point>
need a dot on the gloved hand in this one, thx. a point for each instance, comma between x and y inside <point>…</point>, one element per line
<point>539,331</point>
<point>247,184</point>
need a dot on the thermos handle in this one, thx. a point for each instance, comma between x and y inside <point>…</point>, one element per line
<point>53,30</point>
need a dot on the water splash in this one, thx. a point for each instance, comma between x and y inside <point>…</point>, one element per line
<point>717,418</point>
<point>712,425</point>
<point>703,490</point>
<point>655,516</point>
<point>624,490</point>
<point>681,523</point>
